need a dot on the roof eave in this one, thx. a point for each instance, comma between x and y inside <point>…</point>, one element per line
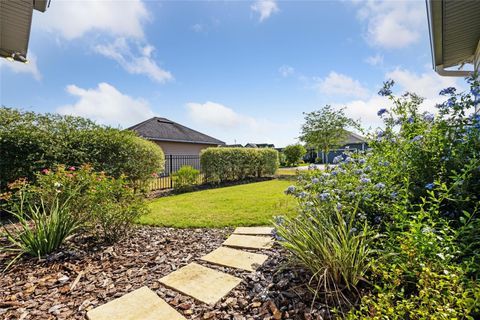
<point>185,141</point>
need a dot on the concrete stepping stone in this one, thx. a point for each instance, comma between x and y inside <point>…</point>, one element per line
<point>201,283</point>
<point>267,231</point>
<point>141,304</point>
<point>235,258</point>
<point>249,242</point>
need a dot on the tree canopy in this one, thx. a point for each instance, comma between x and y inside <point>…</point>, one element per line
<point>325,129</point>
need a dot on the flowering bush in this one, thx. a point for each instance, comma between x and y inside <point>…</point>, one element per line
<point>102,206</point>
<point>416,192</point>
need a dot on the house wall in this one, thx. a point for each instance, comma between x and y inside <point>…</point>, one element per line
<point>180,148</point>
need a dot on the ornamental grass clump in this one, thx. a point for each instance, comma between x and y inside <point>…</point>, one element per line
<point>42,227</point>
<point>325,241</point>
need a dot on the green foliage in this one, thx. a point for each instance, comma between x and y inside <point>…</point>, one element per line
<point>185,178</point>
<point>102,206</point>
<point>324,241</point>
<point>326,128</point>
<point>418,189</point>
<point>227,164</point>
<point>42,228</point>
<point>293,154</point>
<point>31,142</point>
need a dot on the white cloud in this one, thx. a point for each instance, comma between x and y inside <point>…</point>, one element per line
<point>426,85</point>
<point>106,105</point>
<point>140,62</point>
<point>392,24</point>
<point>228,125</point>
<point>286,71</point>
<point>73,19</point>
<point>340,84</point>
<point>218,115</point>
<point>19,67</point>
<point>198,27</point>
<point>375,60</point>
<point>265,8</point>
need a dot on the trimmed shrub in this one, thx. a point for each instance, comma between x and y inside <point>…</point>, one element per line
<point>294,153</point>
<point>31,142</point>
<point>185,178</point>
<point>228,164</point>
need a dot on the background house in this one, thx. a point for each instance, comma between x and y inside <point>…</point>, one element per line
<point>259,145</point>
<point>353,142</point>
<point>174,138</point>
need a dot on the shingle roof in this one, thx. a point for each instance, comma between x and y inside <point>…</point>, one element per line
<point>162,129</point>
<point>352,138</point>
<point>259,145</point>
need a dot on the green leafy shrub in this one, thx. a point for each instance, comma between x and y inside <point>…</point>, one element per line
<point>293,154</point>
<point>227,164</point>
<point>31,142</point>
<point>185,178</point>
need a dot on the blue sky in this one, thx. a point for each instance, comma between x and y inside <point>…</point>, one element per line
<point>241,71</point>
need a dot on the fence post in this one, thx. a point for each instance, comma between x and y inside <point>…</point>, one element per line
<point>171,171</point>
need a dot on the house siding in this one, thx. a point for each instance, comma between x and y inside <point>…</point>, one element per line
<point>181,148</point>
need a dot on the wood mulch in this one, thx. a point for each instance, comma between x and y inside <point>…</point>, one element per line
<point>84,275</point>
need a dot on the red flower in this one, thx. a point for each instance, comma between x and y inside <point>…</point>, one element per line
<point>72,168</point>
<point>45,171</point>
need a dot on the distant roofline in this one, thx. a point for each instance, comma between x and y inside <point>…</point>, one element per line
<point>134,127</point>
<point>183,141</point>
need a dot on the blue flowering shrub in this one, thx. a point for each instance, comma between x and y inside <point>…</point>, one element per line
<point>392,232</point>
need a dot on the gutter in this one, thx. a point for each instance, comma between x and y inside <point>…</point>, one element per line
<point>451,73</point>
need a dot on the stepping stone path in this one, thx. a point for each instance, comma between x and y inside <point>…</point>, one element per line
<point>235,258</point>
<point>248,242</point>
<point>266,231</point>
<point>142,304</point>
<point>201,283</point>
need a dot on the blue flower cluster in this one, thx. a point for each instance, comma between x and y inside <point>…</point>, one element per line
<point>417,138</point>
<point>429,117</point>
<point>381,112</point>
<point>387,88</point>
<point>448,91</point>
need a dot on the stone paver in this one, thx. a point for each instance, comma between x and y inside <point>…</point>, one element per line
<point>250,242</point>
<point>201,283</point>
<point>235,258</point>
<point>141,304</point>
<point>267,231</point>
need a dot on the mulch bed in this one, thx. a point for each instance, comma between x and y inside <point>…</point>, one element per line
<point>67,284</point>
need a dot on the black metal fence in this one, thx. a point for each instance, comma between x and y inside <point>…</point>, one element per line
<point>172,164</point>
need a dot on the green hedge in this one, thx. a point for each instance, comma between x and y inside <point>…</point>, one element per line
<point>227,164</point>
<point>30,142</point>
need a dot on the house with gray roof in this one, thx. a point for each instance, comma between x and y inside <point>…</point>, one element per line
<point>352,141</point>
<point>174,138</point>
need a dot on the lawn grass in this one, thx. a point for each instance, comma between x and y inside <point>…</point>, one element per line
<point>243,205</point>
<point>286,172</point>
